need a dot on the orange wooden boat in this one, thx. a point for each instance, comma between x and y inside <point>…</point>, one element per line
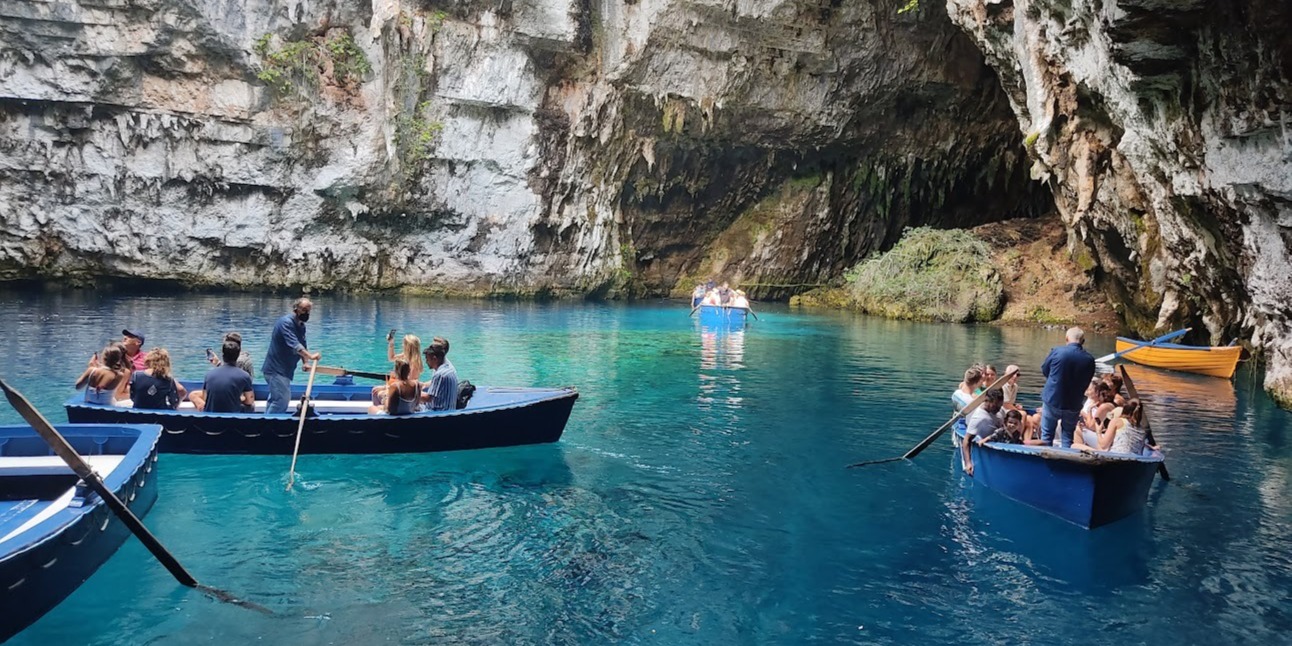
<point>1204,360</point>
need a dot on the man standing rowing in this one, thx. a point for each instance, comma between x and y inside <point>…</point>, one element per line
<point>286,347</point>
<point>1067,370</point>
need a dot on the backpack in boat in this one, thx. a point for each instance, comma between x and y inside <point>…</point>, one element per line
<point>465,390</point>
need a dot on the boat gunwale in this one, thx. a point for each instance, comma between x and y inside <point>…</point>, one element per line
<point>557,394</point>
<point>115,480</point>
<point>1175,346</point>
<point>1086,457</point>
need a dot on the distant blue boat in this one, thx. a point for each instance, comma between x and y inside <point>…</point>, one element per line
<point>1087,488</point>
<point>54,532</point>
<point>723,316</point>
<point>341,424</point>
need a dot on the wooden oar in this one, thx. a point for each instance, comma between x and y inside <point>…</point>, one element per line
<point>1161,339</point>
<point>1148,430</point>
<point>751,312</point>
<point>963,412</point>
<point>83,471</point>
<point>340,372</point>
<point>305,407</point>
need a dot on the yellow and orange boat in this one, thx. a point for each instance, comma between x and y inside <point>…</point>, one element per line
<point>1204,360</point>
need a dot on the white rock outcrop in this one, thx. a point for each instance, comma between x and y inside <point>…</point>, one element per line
<point>526,146</point>
<point>1165,132</point>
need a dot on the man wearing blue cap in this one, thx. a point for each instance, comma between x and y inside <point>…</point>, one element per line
<point>134,342</point>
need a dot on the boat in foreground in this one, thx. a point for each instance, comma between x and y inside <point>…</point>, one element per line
<point>340,423</point>
<point>1205,360</point>
<point>54,531</point>
<point>1088,488</point>
<point>723,316</point>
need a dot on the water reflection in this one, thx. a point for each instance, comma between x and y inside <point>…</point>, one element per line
<point>724,349</point>
<point>1164,389</point>
<point>990,528</point>
<point>722,355</point>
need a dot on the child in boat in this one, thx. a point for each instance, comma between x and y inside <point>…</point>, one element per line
<point>402,393</point>
<point>739,300</point>
<point>1013,431</point>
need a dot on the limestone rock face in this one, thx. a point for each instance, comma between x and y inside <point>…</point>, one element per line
<point>522,146</point>
<point>1164,130</point>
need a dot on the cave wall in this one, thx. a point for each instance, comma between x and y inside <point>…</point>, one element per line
<point>1164,130</point>
<point>538,147</point>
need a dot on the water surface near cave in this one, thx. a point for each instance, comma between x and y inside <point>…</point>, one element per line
<point>697,497</point>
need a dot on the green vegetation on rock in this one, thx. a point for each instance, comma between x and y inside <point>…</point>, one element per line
<point>295,66</point>
<point>930,275</point>
<point>415,135</point>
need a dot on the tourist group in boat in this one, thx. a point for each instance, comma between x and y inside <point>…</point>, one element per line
<point>123,374</point>
<point>718,295</point>
<point>1078,409</point>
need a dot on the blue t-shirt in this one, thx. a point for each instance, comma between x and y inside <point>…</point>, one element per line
<point>288,337</point>
<point>443,387</point>
<point>224,387</point>
<point>1067,370</point>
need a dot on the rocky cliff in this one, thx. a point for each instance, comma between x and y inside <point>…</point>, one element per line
<point>521,146</point>
<point>1164,130</point>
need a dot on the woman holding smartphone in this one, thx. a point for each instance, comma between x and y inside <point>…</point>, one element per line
<point>411,355</point>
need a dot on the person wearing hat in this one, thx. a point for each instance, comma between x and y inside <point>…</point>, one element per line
<point>134,342</point>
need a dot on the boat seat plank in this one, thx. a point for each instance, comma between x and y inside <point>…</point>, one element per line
<point>41,511</point>
<point>104,464</point>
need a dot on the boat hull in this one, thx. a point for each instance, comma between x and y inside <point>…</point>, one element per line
<point>723,316</point>
<point>1212,361</point>
<point>1085,488</point>
<point>43,565</point>
<point>493,419</point>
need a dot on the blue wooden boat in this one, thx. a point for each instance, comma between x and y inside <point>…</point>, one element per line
<point>723,316</point>
<point>54,532</point>
<point>1088,488</point>
<point>341,424</point>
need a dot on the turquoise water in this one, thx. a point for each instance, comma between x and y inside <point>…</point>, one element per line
<point>697,497</point>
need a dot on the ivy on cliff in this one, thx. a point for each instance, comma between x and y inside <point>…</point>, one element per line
<point>296,67</point>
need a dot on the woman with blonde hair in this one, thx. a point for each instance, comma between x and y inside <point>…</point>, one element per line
<point>155,387</point>
<point>411,355</point>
